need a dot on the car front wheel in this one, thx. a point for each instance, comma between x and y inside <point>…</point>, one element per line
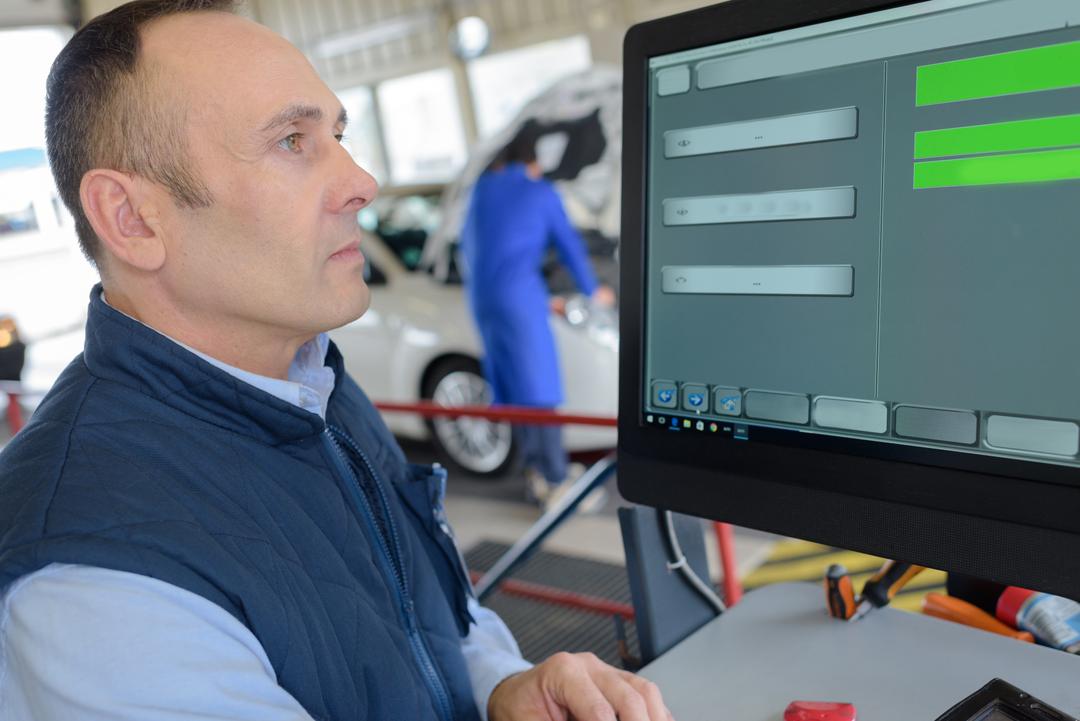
<point>475,445</point>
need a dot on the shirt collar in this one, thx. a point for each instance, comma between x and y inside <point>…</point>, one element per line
<point>310,381</point>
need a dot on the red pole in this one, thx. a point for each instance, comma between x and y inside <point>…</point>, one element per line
<point>511,414</point>
<point>725,543</point>
<point>561,597</point>
<point>14,413</point>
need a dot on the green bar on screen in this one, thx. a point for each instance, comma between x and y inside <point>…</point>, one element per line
<point>1036,167</point>
<point>1034,134</point>
<point>1020,71</point>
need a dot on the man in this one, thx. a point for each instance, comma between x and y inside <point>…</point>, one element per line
<point>206,517</point>
<point>515,216</point>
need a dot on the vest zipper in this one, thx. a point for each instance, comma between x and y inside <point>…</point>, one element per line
<point>391,562</point>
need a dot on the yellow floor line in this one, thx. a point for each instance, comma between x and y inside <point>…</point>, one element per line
<point>810,569</point>
<point>793,547</point>
<point>785,564</point>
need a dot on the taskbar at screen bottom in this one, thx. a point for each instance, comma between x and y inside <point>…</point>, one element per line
<point>743,429</point>
<point>740,431</point>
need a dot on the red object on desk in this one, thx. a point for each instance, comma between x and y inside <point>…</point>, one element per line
<point>819,711</point>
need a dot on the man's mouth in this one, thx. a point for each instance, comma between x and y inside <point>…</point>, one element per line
<point>349,252</point>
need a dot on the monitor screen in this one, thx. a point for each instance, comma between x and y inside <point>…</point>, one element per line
<point>856,241</point>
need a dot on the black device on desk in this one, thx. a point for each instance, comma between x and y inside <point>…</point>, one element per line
<point>1001,701</point>
<point>849,277</point>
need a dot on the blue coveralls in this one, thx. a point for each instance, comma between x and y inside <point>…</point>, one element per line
<point>512,221</point>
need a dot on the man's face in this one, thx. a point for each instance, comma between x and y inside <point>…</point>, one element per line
<point>278,248</point>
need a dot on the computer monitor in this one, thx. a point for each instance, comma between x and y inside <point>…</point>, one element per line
<point>851,277</point>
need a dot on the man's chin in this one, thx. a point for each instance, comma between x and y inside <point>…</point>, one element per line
<point>355,306</point>
<point>328,311</point>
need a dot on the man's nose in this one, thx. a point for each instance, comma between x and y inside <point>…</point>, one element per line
<point>353,186</point>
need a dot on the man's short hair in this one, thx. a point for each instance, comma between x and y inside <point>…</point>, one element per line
<point>103,110</point>
<point>522,148</point>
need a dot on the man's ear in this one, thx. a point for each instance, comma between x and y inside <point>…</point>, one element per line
<point>113,203</point>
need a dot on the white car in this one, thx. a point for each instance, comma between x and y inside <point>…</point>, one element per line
<point>37,242</point>
<point>418,341</point>
<point>44,279</point>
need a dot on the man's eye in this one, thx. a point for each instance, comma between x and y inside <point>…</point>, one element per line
<point>291,142</point>
<point>340,137</point>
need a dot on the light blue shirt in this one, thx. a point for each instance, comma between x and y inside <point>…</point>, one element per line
<point>89,644</point>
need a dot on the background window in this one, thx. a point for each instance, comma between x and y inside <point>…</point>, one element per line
<point>503,83</point>
<point>26,56</point>
<point>362,134</point>
<point>421,122</point>
<point>17,220</point>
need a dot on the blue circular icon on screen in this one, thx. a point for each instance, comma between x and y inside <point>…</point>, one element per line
<point>696,399</point>
<point>665,396</point>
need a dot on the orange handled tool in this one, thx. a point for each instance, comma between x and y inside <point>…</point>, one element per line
<point>880,588</point>
<point>954,609</point>
<point>839,594</point>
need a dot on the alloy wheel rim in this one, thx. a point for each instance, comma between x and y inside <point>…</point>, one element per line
<point>477,444</point>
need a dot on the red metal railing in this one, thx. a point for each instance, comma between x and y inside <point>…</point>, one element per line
<point>509,414</point>
<point>14,414</point>
<point>560,597</point>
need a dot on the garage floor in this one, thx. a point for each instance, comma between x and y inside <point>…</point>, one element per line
<point>542,628</point>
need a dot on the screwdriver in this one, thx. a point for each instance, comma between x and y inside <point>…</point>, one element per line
<point>960,611</point>
<point>839,594</point>
<point>879,590</point>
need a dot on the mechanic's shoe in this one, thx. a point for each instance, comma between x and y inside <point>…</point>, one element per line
<point>593,503</point>
<point>537,489</point>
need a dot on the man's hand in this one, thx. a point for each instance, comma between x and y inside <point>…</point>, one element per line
<point>604,296</point>
<point>576,686</point>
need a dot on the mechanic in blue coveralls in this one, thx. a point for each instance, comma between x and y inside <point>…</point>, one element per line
<point>514,217</point>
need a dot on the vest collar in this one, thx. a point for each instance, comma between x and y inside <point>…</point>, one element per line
<point>123,350</point>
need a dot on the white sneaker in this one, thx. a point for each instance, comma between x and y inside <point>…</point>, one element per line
<point>574,471</point>
<point>537,489</point>
<point>593,503</point>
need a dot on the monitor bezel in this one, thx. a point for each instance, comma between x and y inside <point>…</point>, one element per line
<point>950,510</point>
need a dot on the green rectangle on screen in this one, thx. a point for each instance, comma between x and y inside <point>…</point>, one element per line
<point>1039,167</point>
<point>1035,134</point>
<point>1021,71</point>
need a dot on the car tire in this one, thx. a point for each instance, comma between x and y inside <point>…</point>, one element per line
<point>479,447</point>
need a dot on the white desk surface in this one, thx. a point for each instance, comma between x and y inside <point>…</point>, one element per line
<point>779,645</point>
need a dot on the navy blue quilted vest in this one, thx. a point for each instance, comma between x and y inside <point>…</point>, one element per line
<point>318,537</point>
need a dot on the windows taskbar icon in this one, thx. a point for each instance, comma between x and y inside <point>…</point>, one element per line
<point>676,423</point>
